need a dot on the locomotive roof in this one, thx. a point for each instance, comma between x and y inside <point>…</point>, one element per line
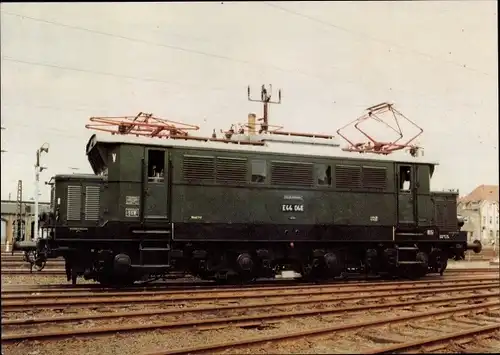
<point>297,147</point>
<point>79,176</point>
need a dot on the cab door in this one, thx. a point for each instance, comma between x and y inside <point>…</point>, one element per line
<point>425,208</point>
<point>406,191</point>
<point>156,184</point>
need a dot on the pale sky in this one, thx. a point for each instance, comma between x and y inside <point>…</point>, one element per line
<point>62,63</point>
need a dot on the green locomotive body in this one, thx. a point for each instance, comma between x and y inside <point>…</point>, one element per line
<point>248,205</point>
<point>216,211</point>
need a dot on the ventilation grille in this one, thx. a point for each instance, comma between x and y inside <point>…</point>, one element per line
<point>347,177</point>
<point>440,214</point>
<point>74,207</point>
<point>446,215</point>
<point>286,173</point>
<point>92,196</point>
<point>198,168</point>
<point>374,177</point>
<point>231,170</point>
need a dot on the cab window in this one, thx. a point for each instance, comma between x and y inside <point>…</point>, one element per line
<point>323,175</point>
<point>156,165</point>
<point>259,171</point>
<point>405,178</point>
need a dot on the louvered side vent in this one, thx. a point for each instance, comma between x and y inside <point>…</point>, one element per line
<point>231,170</point>
<point>198,168</point>
<point>92,198</point>
<point>74,203</point>
<point>288,173</point>
<point>347,177</point>
<point>374,177</point>
<point>440,214</point>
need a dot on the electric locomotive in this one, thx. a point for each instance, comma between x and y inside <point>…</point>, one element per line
<point>256,202</point>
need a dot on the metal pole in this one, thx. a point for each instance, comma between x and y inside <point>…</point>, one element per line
<point>2,150</point>
<point>37,180</point>
<point>38,169</point>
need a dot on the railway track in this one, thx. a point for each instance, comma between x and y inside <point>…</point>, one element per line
<point>440,342</point>
<point>32,302</point>
<point>25,264</point>
<point>16,300</point>
<point>251,343</point>
<point>44,272</point>
<point>268,308</point>
<point>206,286</point>
<point>226,321</point>
<point>265,304</point>
<point>16,265</point>
<point>476,271</point>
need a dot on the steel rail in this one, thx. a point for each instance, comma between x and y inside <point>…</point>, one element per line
<point>133,314</point>
<point>33,295</point>
<point>473,270</point>
<point>211,348</point>
<point>197,286</point>
<point>441,339</point>
<point>6,264</point>
<point>8,305</point>
<point>229,321</point>
<point>44,272</point>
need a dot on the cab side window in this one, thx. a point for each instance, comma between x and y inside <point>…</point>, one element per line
<point>405,178</point>
<point>156,165</point>
<point>259,171</point>
<point>323,175</point>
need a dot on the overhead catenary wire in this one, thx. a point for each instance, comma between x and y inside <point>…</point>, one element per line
<point>89,71</point>
<point>62,67</point>
<point>244,61</point>
<point>169,46</point>
<point>425,96</point>
<point>378,40</point>
<point>320,77</point>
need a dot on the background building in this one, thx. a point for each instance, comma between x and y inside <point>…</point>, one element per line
<point>480,210</point>
<point>9,216</point>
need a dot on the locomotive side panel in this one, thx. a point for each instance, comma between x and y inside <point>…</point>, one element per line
<point>445,213</point>
<point>123,189</point>
<point>231,196</point>
<point>362,208</point>
<point>138,186</point>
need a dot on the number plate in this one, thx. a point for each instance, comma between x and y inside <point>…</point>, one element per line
<point>131,212</point>
<point>292,208</point>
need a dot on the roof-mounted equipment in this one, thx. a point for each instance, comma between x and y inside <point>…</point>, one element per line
<point>144,124</point>
<point>382,113</point>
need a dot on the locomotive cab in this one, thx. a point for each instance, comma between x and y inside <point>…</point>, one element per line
<point>137,179</point>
